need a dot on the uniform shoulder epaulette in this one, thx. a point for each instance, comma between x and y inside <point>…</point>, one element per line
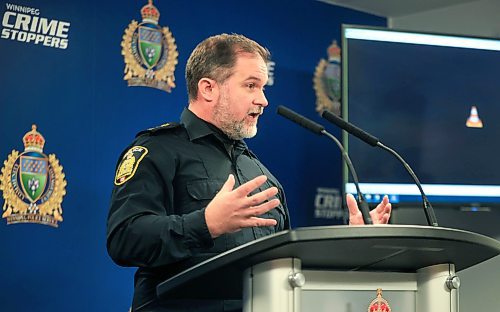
<point>154,130</point>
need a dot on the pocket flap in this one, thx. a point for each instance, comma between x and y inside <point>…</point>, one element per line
<point>203,189</point>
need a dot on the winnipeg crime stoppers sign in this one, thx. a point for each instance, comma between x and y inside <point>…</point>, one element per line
<point>24,24</point>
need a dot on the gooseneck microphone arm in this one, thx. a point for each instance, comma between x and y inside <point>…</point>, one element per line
<point>319,129</point>
<point>429,211</point>
<point>365,210</point>
<point>374,141</point>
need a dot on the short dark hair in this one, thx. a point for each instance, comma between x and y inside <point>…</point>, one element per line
<point>215,58</point>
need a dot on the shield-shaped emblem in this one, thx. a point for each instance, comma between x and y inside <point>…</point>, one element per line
<point>150,45</point>
<point>331,81</point>
<point>33,175</point>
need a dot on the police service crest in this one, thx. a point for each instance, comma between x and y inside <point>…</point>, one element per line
<point>149,52</point>
<point>33,184</point>
<point>327,81</point>
<point>129,164</point>
<point>379,304</point>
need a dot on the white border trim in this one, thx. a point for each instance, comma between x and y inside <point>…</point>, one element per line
<point>424,39</point>
<point>429,189</point>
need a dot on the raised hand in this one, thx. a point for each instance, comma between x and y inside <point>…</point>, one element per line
<point>231,210</point>
<point>380,215</point>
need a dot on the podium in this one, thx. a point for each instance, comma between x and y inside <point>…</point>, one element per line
<point>349,263</point>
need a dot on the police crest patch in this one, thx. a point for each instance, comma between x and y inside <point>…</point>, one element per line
<point>33,184</point>
<point>150,52</point>
<point>129,163</point>
<point>327,81</point>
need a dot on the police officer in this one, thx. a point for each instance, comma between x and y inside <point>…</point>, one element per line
<point>187,191</point>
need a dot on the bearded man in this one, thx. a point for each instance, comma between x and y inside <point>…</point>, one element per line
<point>185,192</point>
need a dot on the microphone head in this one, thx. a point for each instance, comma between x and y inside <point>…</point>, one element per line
<point>299,119</point>
<point>349,127</point>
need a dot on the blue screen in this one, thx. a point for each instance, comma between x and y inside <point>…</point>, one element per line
<point>435,99</point>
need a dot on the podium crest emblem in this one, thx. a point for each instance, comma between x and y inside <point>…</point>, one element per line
<point>379,304</point>
<point>33,184</point>
<point>150,52</point>
<point>327,81</point>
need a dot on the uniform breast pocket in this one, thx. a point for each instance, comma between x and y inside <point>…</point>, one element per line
<point>201,192</point>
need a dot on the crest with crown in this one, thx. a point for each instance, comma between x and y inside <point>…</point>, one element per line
<point>379,304</point>
<point>149,52</point>
<point>33,140</point>
<point>333,52</point>
<point>327,81</point>
<point>150,13</point>
<point>33,184</point>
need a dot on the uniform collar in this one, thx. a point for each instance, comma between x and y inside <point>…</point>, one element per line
<point>198,128</point>
<point>195,126</point>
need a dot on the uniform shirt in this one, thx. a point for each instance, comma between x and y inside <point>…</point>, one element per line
<point>164,181</point>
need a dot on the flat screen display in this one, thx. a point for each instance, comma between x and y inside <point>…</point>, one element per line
<point>433,98</point>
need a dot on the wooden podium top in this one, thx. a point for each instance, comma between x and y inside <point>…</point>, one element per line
<point>382,248</point>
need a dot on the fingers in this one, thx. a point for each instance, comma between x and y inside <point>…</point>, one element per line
<point>384,219</point>
<point>381,207</point>
<point>233,209</point>
<point>382,213</point>
<point>352,205</point>
<point>258,198</point>
<point>262,208</point>
<point>229,184</point>
<point>250,186</point>
<point>355,217</point>
<point>251,222</point>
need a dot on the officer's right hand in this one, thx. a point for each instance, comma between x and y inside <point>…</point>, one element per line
<point>231,210</point>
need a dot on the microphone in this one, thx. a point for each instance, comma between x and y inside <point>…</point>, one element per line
<point>374,141</point>
<point>301,120</point>
<point>319,129</point>
<point>349,127</point>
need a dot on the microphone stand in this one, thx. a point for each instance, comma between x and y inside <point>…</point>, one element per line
<point>374,141</point>
<point>319,129</point>
<point>429,211</point>
<point>365,210</point>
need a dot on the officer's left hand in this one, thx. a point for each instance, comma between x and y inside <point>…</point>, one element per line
<point>380,215</point>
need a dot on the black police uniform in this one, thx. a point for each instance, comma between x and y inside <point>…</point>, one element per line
<point>156,222</point>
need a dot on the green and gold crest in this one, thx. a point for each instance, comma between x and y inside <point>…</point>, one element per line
<point>327,81</point>
<point>33,184</point>
<point>149,52</point>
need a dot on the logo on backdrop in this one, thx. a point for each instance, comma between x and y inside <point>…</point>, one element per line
<point>328,204</point>
<point>24,24</point>
<point>150,52</point>
<point>33,184</point>
<point>270,72</point>
<point>379,304</point>
<point>327,81</point>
